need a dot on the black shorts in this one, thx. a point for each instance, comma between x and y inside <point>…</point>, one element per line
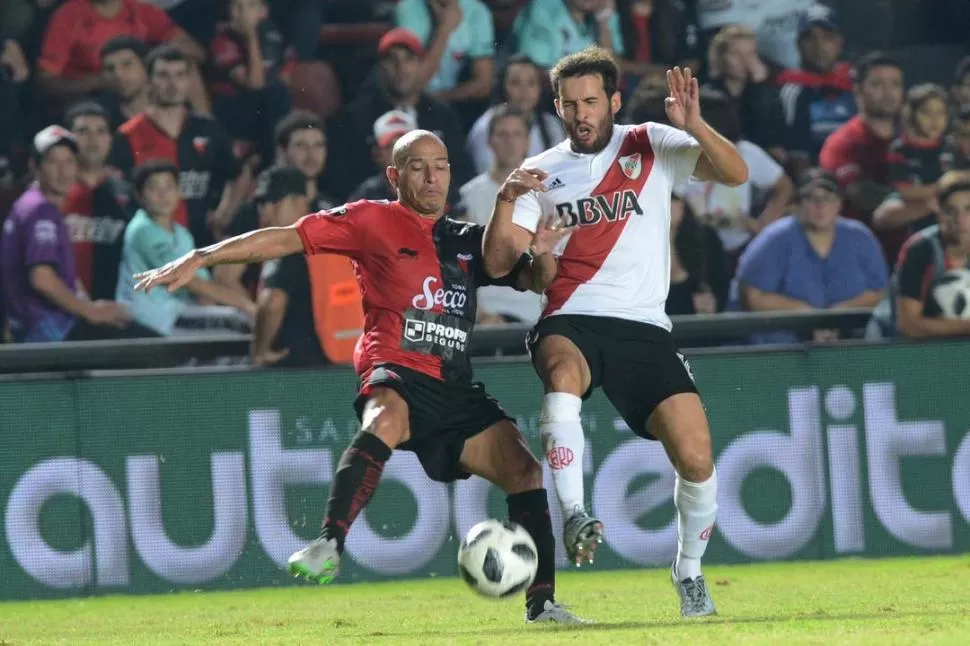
<point>637,364</point>
<point>441,416</point>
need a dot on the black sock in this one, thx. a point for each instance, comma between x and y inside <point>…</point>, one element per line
<point>355,481</point>
<point>531,510</point>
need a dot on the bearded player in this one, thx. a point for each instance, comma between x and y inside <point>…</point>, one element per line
<point>418,273</point>
<point>604,324</point>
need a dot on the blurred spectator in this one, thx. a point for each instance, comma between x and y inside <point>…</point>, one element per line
<point>390,127</point>
<point>547,30</point>
<point>508,137</point>
<point>915,159</point>
<point>521,86</point>
<point>14,72</point>
<point>399,54</point>
<point>277,188</point>
<point>209,174</point>
<point>285,333</point>
<point>458,63</point>
<point>730,209</point>
<point>43,299</point>
<point>153,239</point>
<point>656,34</point>
<point>775,22</point>
<point>70,62</point>
<point>302,144</point>
<point>127,91</point>
<point>934,266</point>
<point>98,206</point>
<point>252,68</point>
<point>700,270</point>
<point>817,98</point>
<point>812,260</point>
<point>960,92</point>
<point>858,152</point>
<point>735,69</point>
<point>956,148</point>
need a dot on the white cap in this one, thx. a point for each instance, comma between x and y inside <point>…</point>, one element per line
<point>392,125</point>
<point>53,136</point>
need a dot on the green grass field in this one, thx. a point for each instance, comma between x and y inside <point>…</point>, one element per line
<point>896,601</point>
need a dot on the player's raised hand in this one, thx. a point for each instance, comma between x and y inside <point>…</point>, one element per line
<point>550,230</point>
<point>683,101</point>
<point>174,275</point>
<point>520,182</point>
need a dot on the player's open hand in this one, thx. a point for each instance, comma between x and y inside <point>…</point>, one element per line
<point>683,102</point>
<point>550,230</point>
<point>520,182</point>
<point>174,275</point>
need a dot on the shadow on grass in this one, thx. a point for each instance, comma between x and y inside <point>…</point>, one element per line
<point>680,623</point>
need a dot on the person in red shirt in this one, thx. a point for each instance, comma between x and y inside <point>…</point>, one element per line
<point>418,272</point>
<point>857,153</point>
<point>70,59</point>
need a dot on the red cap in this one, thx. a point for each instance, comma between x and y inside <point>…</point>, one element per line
<point>399,37</point>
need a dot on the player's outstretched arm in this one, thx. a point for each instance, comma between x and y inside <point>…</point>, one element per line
<point>719,161</point>
<point>255,246</point>
<point>504,241</point>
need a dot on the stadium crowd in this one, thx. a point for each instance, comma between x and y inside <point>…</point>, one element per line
<point>132,131</point>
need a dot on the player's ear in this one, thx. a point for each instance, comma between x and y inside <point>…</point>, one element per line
<point>393,174</point>
<point>616,102</point>
<point>558,108</point>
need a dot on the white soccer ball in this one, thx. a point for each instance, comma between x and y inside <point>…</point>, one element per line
<point>951,291</point>
<point>498,559</point>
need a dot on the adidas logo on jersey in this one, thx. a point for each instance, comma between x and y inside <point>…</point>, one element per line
<point>556,183</point>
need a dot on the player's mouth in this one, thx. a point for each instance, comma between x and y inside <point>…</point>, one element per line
<point>585,133</point>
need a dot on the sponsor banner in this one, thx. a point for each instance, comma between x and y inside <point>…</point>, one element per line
<point>160,483</point>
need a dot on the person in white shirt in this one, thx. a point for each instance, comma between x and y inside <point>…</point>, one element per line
<point>606,283</point>
<point>508,138</point>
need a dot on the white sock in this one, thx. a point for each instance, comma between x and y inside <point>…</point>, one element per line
<point>696,504</point>
<point>563,443</point>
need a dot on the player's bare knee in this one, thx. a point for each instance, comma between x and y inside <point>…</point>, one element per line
<point>695,465</point>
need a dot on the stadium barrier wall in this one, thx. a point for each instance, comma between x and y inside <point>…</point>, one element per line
<point>165,482</point>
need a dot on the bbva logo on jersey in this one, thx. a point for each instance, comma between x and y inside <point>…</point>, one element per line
<point>591,210</point>
<point>631,165</point>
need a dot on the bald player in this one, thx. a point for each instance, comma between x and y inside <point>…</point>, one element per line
<point>418,273</point>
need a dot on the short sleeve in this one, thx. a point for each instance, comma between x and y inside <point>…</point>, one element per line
<point>43,238</point>
<point>871,261</point>
<point>762,264</point>
<point>482,279</point>
<point>159,27</point>
<point>763,171</point>
<point>55,53</point>
<point>339,231</point>
<point>538,41</point>
<point>836,157</point>
<point>676,151</point>
<point>914,258</point>
<point>483,32</point>
<point>527,212</point>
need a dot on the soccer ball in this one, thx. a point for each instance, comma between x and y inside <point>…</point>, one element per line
<point>498,559</point>
<point>951,291</point>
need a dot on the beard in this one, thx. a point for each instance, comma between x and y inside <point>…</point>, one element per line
<point>604,132</point>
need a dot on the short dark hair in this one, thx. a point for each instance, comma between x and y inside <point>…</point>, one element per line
<point>167,53</point>
<point>951,183</point>
<point>647,104</point>
<point>864,66</point>
<point>591,61</point>
<point>920,94</point>
<point>86,108</point>
<point>277,183</point>
<point>149,169</point>
<point>124,43</point>
<point>296,120</point>
<point>505,111</point>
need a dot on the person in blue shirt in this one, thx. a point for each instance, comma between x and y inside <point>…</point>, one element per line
<point>547,30</point>
<point>811,260</point>
<point>153,239</point>
<point>459,43</point>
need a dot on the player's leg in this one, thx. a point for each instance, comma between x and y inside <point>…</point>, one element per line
<point>566,376</point>
<point>501,455</point>
<point>384,425</point>
<point>680,423</point>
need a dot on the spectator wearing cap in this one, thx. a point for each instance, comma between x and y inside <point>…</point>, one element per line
<point>153,239</point>
<point>508,136</point>
<point>127,91</point>
<point>43,299</point>
<point>521,86</point>
<point>547,30</point>
<point>814,259</point>
<point>277,188</point>
<point>398,88</point>
<point>817,98</point>
<point>458,38</point>
<point>387,130</point>
<point>857,153</point>
<point>70,60</point>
